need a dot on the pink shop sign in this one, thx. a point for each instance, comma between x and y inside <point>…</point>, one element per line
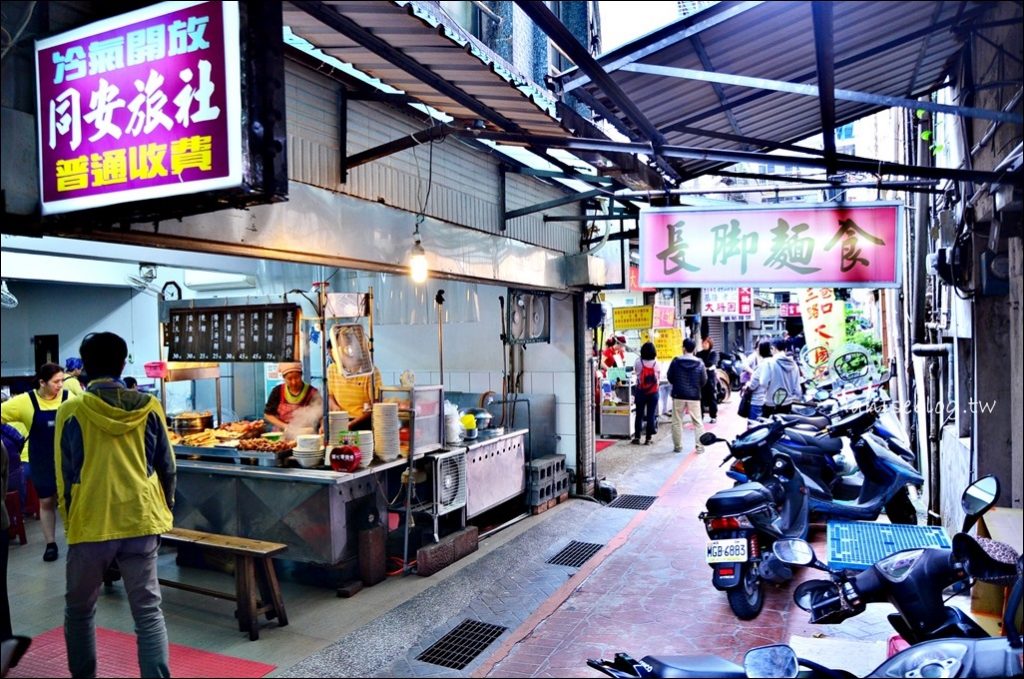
<point>139,106</point>
<point>845,246</point>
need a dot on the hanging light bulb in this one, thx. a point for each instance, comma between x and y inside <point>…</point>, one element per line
<point>417,259</point>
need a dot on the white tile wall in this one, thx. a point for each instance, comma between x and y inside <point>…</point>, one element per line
<point>564,387</point>
<point>567,447</point>
<point>565,418</point>
<point>495,380</point>
<point>541,383</point>
<point>479,382</point>
<point>457,381</point>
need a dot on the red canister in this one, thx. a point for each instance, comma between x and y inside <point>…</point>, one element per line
<point>346,458</point>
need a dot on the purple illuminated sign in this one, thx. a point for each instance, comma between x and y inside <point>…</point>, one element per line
<point>143,105</point>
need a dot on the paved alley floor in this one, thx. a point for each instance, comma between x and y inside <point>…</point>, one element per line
<point>646,591</point>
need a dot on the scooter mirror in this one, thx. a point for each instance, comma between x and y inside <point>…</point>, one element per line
<point>793,551</point>
<point>708,438</point>
<point>978,498</point>
<point>821,395</point>
<point>771,661</point>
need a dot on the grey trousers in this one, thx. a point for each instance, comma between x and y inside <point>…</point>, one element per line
<point>86,563</point>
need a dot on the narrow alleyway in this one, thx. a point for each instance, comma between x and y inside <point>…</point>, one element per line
<point>647,590</point>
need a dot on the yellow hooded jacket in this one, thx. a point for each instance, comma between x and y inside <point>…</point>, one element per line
<point>115,465</point>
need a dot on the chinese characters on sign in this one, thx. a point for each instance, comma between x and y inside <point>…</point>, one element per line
<point>140,106</point>
<point>668,342</point>
<point>789,309</point>
<point>822,245</point>
<point>824,319</point>
<point>632,317</point>
<point>727,302</point>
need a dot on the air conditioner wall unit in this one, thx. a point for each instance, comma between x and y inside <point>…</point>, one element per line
<point>218,280</point>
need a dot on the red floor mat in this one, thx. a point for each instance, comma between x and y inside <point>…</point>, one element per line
<point>47,657</point>
<point>602,444</point>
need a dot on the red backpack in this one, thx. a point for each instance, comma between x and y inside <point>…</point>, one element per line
<point>647,382</point>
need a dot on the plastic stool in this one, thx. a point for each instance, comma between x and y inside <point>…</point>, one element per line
<point>31,507</point>
<point>17,527</point>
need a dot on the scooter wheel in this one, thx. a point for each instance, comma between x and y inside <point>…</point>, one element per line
<point>900,509</point>
<point>747,600</point>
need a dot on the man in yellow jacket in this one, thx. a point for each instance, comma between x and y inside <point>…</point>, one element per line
<point>115,490</point>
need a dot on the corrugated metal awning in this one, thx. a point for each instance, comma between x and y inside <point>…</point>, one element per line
<point>416,48</point>
<point>894,49</point>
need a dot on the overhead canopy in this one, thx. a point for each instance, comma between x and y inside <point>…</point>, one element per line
<point>414,47</point>
<point>681,80</point>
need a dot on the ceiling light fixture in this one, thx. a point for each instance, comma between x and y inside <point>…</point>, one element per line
<point>417,258</point>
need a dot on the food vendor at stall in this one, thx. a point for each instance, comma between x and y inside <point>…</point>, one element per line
<point>294,399</point>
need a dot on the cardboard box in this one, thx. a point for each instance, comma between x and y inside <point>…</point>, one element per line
<point>1002,524</point>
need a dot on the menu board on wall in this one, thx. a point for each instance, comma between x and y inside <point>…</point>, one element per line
<point>234,334</point>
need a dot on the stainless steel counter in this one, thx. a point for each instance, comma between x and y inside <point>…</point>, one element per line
<point>315,511</point>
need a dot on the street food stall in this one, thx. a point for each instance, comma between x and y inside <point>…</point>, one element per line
<point>236,478</point>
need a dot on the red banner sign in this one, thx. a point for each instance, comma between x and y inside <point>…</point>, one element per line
<point>854,245</point>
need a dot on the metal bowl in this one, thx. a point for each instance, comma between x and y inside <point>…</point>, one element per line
<point>190,423</point>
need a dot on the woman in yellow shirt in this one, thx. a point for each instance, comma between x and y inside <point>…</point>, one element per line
<point>36,411</point>
<point>72,372</point>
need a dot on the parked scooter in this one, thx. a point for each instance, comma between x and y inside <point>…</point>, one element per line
<point>882,470</point>
<point>744,521</point>
<point>878,480</point>
<point>732,365</point>
<point>913,580</point>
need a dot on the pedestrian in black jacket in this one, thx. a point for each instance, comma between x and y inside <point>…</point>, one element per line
<point>708,399</point>
<point>687,375</point>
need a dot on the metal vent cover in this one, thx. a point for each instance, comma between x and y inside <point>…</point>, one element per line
<point>575,554</point>
<point>462,645</point>
<point>638,502</point>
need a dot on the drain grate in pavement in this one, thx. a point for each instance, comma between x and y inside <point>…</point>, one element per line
<point>462,645</point>
<point>575,554</point>
<point>639,502</point>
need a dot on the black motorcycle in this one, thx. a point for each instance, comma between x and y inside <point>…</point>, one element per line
<point>913,580</point>
<point>744,521</point>
<point>946,643</point>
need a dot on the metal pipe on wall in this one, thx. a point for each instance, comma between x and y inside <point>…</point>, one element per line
<point>934,353</point>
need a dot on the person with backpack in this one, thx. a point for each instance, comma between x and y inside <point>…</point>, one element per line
<point>687,375</point>
<point>783,381</point>
<point>648,381</point>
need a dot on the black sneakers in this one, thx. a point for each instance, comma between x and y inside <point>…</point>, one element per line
<point>51,552</point>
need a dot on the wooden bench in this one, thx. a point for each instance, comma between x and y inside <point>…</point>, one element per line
<point>256,587</point>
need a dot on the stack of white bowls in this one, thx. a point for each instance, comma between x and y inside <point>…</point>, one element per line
<point>385,431</point>
<point>364,439</point>
<point>309,450</point>
<point>337,422</point>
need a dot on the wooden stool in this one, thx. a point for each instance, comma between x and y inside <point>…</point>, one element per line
<point>17,527</point>
<point>257,590</point>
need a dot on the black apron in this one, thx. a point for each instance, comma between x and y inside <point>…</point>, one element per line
<point>41,452</point>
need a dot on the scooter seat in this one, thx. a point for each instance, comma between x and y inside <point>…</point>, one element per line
<point>739,499</point>
<point>816,421</point>
<point>671,666</point>
<point>809,440</point>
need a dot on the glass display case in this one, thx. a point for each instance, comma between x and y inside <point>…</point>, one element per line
<point>424,405</point>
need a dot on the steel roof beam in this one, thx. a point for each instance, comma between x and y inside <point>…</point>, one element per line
<point>556,202</point>
<point>560,35</point>
<point>825,53</point>
<point>705,61</point>
<point>665,37</point>
<point>342,24</point>
<point>852,59</point>
<point>879,167</point>
<point>813,91</point>
<point>397,145</point>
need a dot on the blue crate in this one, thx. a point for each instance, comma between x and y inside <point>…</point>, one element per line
<point>859,544</point>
